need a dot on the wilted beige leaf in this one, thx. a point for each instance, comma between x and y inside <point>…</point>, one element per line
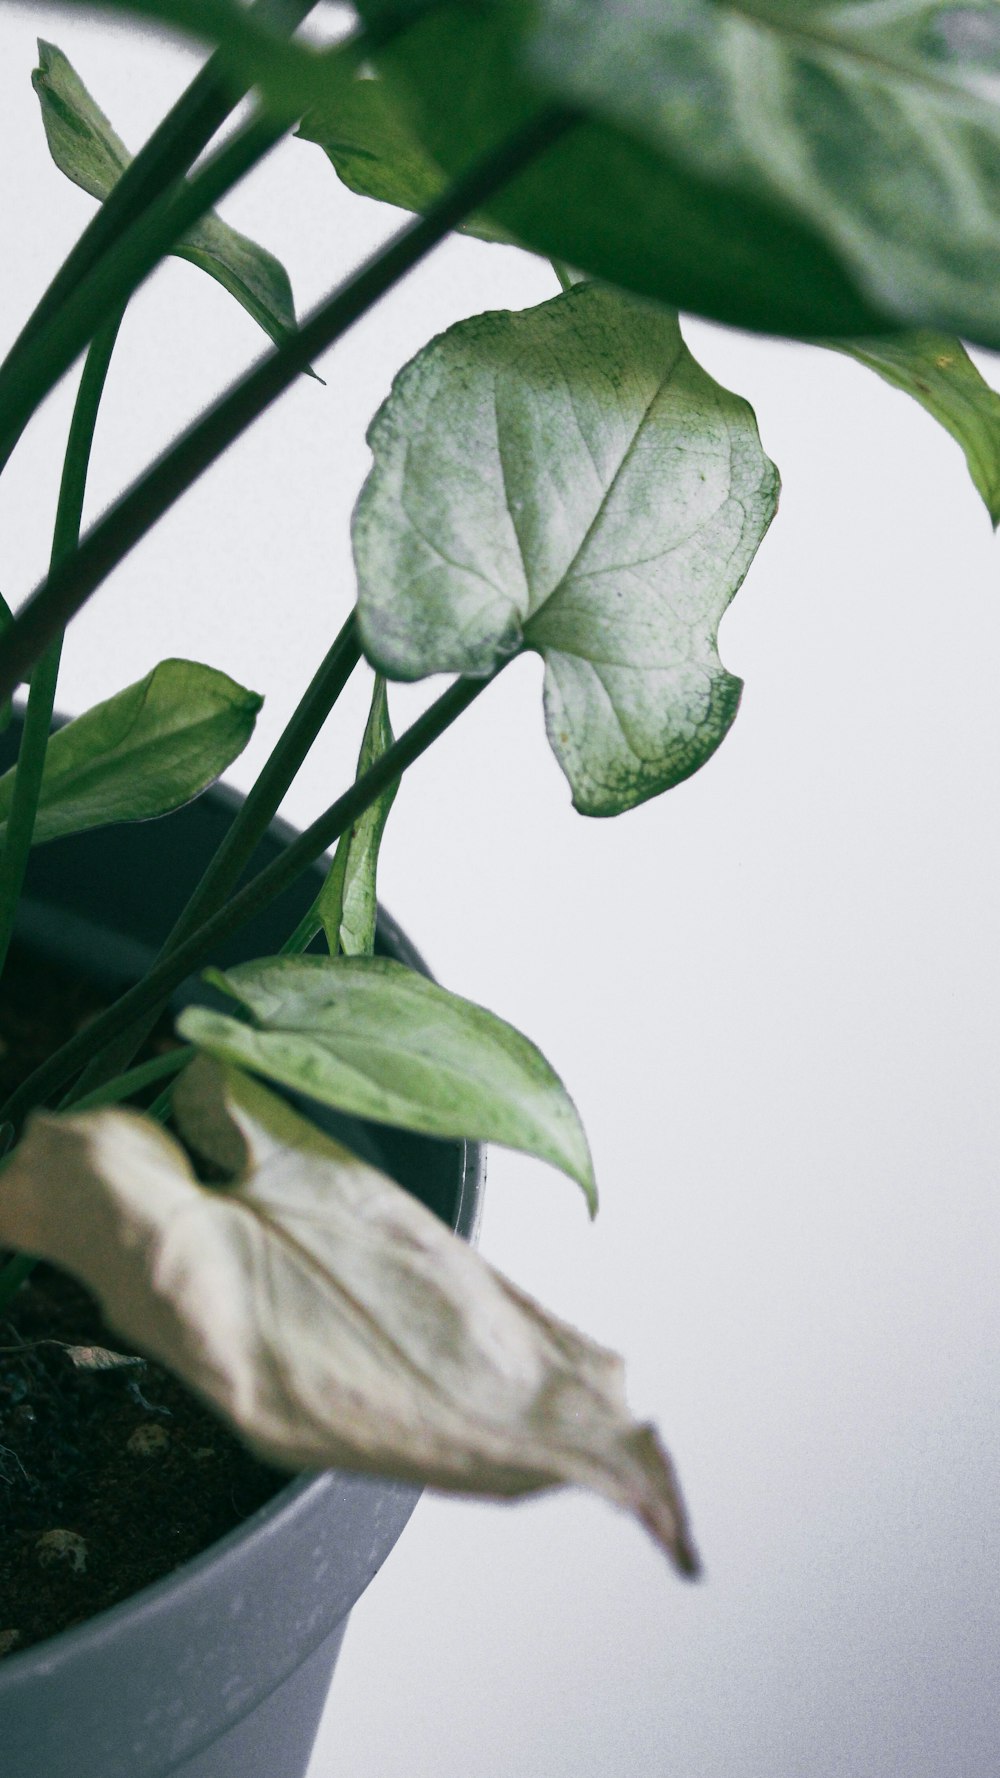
<point>323,1310</point>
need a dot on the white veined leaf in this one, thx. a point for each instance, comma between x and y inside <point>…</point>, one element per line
<point>568,480</point>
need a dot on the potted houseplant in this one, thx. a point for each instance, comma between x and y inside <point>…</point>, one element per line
<point>456,572</point>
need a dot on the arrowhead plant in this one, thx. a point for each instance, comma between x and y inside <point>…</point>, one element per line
<point>566,481</point>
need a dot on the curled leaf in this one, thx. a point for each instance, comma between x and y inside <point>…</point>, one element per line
<point>141,753</point>
<point>85,147</point>
<point>374,1038</point>
<point>324,1311</point>
<point>568,480</point>
<point>347,904</point>
<point>937,371</point>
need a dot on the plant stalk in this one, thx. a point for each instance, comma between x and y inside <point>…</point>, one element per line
<point>42,692</point>
<point>154,989</point>
<point>249,826</point>
<point>147,1074</point>
<point>59,597</point>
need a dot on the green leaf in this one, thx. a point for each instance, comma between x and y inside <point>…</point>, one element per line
<point>254,44</point>
<point>143,752</point>
<point>568,480</point>
<point>85,147</point>
<point>938,372</point>
<point>347,904</point>
<point>328,1315</point>
<point>606,202</point>
<point>364,129</point>
<point>877,127</point>
<point>371,1037</point>
<point>7,705</point>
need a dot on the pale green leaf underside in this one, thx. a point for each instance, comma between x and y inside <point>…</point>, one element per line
<point>85,147</point>
<point>347,904</point>
<point>370,1037</point>
<point>323,1310</point>
<point>365,131</point>
<point>877,125</point>
<point>141,753</point>
<point>568,480</point>
<point>938,372</point>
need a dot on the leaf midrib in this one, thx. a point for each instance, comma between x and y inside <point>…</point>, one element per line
<point>602,504</point>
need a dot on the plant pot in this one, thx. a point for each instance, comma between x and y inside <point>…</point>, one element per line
<point>221,1669</point>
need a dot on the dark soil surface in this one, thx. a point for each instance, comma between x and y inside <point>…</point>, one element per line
<point>111,1473</point>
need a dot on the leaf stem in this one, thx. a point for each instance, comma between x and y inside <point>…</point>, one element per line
<point>176,143</point>
<point>155,988</point>
<point>41,696</point>
<point>134,1080</point>
<point>251,823</point>
<point>64,592</point>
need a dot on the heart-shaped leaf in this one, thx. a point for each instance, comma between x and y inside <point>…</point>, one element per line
<point>938,372</point>
<point>366,133</point>
<point>877,127</point>
<point>347,904</point>
<point>371,1037</point>
<point>85,147</point>
<point>568,480</point>
<point>323,1310</point>
<point>143,752</point>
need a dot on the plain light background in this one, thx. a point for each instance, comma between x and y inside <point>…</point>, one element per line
<point>772,993</point>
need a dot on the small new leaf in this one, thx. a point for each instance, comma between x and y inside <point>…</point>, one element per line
<point>938,372</point>
<point>371,1037</point>
<point>347,904</point>
<point>85,147</point>
<point>325,1312</point>
<point>568,480</point>
<point>143,752</point>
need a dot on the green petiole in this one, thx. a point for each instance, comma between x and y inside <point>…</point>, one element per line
<point>67,589</point>
<point>135,1080</point>
<point>253,820</point>
<point>41,695</point>
<point>156,987</point>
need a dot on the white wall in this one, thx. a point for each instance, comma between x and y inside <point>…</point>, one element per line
<point>773,993</point>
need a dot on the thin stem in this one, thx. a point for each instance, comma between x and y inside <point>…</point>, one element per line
<point>156,987</point>
<point>251,823</point>
<point>41,696</point>
<point>135,1080</point>
<point>59,597</point>
<point>304,933</point>
<point>172,148</point>
<point>49,352</point>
